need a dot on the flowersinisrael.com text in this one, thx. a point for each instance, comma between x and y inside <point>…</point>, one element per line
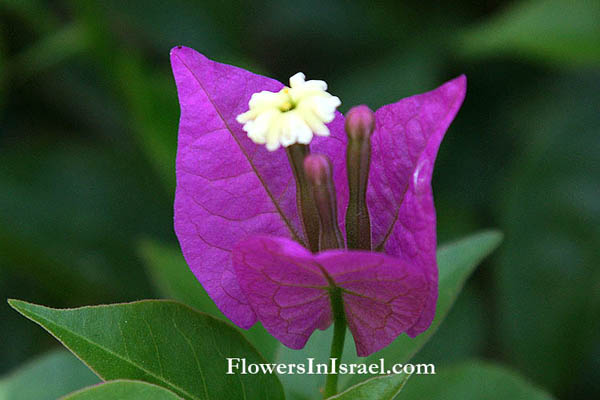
<point>310,367</point>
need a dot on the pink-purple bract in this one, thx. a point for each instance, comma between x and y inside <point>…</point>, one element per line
<point>238,224</point>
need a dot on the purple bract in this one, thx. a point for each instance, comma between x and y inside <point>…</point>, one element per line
<point>238,221</point>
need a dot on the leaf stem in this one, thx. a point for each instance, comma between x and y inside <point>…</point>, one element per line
<point>337,344</point>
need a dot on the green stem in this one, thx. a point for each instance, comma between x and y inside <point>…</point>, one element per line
<point>337,344</point>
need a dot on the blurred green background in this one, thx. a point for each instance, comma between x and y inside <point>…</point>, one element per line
<point>88,124</point>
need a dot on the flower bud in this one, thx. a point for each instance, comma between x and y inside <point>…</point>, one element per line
<point>304,195</point>
<point>318,172</point>
<point>360,123</point>
<point>317,169</point>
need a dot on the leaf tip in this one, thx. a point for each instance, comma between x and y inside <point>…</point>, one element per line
<point>14,303</point>
<point>495,236</point>
<point>22,307</point>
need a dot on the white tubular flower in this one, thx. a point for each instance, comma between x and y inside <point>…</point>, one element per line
<point>291,115</point>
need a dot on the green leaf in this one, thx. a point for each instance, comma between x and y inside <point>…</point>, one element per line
<point>456,262</point>
<point>123,390</point>
<point>47,378</point>
<point>175,280</point>
<point>378,388</point>
<point>160,342</point>
<point>540,29</point>
<point>472,380</point>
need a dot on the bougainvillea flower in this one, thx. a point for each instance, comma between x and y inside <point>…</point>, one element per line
<point>260,229</point>
<point>290,115</point>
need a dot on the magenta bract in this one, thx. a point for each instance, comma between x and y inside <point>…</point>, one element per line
<point>239,228</point>
<point>288,287</point>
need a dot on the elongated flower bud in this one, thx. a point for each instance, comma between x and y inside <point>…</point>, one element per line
<point>360,123</point>
<point>304,195</point>
<point>318,172</point>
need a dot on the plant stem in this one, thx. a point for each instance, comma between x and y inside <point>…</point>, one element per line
<point>337,344</point>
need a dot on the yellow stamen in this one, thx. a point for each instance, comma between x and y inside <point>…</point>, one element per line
<point>287,106</point>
